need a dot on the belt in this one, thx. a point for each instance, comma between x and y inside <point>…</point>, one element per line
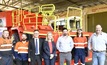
<point>37,54</point>
<point>100,51</point>
<point>66,52</point>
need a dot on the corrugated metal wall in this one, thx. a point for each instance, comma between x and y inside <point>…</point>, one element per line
<point>98,18</point>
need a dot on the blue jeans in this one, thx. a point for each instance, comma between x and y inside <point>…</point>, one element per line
<point>6,60</point>
<point>98,58</point>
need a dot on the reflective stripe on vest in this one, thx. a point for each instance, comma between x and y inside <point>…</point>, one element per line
<point>80,45</point>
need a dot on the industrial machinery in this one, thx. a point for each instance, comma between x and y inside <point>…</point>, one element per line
<point>24,21</point>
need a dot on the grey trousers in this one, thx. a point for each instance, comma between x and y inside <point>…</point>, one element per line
<point>65,56</point>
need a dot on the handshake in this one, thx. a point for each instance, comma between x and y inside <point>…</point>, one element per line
<point>51,56</point>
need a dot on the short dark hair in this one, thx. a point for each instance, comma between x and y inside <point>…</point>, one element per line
<point>36,30</point>
<point>64,29</point>
<point>78,34</point>
<point>79,29</point>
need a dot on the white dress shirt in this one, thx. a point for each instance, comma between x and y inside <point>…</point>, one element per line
<point>65,44</point>
<point>98,42</point>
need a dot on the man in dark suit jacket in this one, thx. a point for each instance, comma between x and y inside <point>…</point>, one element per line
<point>35,49</point>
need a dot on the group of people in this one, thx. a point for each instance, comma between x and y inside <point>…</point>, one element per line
<point>36,50</point>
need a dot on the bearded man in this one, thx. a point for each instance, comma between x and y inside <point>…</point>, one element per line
<point>21,51</point>
<point>65,45</point>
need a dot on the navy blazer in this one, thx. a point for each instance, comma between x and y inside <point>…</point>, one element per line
<point>46,50</point>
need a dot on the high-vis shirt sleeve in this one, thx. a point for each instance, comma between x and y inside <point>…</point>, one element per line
<point>85,39</point>
<point>74,39</point>
<point>16,50</point>
<point>16,47</point>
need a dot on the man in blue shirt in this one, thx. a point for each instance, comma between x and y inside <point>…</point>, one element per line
<point>65,46</point>
<point>97,44</point>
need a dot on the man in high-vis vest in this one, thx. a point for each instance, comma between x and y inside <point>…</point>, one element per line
<point>80,42</point>
<point>6,57</point>
<point>21,51</point>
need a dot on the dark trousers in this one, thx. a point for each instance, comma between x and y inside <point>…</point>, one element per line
<point>79,54</point>
<point>79,57</point>
<point>6,60</point>
<point>49,61</point>
<point>19,62</point>
<point>36,61</point>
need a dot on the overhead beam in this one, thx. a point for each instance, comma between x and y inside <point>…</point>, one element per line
<point>27,4</point>
<point>13,2</point>
<point>56,2</point>
<point>92,3</point>
<point>10,4</point>
<point>75,3</point>
<point>3,1</point>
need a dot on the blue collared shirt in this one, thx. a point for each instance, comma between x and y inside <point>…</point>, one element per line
<point>97,42</point>
<point>65,44</point>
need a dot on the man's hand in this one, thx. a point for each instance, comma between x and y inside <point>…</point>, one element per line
<point>51,56</point>
<point>29,59</point>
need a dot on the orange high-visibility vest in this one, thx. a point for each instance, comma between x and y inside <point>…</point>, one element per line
<point>21,47</point>
<point>5,44</point>
<point>80,42</point>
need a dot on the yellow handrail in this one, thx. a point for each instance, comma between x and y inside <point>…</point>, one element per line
<point>13,23</point>
<point>68,11</point>
<point>48,8</point>
<point>36,21</point>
